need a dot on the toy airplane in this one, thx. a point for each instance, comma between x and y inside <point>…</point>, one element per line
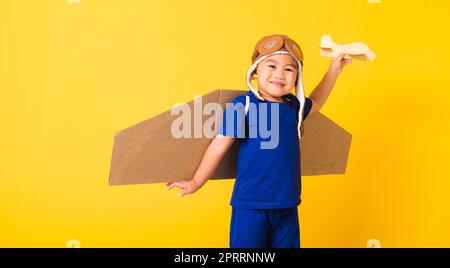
<point>148,152</point>
<point>354,51</point>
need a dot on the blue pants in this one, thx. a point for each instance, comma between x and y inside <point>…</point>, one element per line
<point>264,228</point>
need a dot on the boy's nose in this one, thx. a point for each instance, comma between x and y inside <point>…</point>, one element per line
<point>278,76</point>
<point>278,73</point>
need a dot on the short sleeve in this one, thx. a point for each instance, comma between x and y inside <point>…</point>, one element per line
<point>307,108</point>
<point>233,120</point>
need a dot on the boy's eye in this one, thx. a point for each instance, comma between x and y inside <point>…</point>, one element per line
<point>289,70</point>
<point>272,66</point>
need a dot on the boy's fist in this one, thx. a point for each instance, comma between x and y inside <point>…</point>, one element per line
<point>187,187</point>
<point>338,63</point>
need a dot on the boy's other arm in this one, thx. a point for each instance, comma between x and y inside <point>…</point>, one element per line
<point>209,163</point>
<point>322,91</point>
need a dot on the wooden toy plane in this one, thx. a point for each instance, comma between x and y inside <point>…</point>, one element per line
<point>148,153</point>
<point>354,51</point>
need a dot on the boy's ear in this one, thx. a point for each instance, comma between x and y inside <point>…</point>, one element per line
<point>254,75</point>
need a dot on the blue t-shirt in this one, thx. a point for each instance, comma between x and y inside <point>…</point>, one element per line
<point>268,167</point>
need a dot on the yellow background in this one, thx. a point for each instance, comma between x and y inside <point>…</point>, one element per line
<point>71,75</point>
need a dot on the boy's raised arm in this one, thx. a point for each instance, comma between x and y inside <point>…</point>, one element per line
<point>210,161</point>
<point>320,94</point>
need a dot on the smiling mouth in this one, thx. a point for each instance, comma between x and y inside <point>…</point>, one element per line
<point>278,84</point>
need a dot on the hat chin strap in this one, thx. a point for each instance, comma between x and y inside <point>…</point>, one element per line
<point>299,92</point>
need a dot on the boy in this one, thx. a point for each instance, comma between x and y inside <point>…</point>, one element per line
<point>268,182</point>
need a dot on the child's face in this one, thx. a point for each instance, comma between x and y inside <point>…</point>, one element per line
<point>276,76</point>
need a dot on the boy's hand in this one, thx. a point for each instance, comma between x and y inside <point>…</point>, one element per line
<point>338,63</point>
<point>187,187</point>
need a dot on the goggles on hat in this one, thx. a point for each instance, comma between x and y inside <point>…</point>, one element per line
<point>272,43</point>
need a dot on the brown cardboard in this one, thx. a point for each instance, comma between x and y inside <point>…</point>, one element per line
<point>148,153</point>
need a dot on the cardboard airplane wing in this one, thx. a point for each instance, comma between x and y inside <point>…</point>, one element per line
<point>148,152</point>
